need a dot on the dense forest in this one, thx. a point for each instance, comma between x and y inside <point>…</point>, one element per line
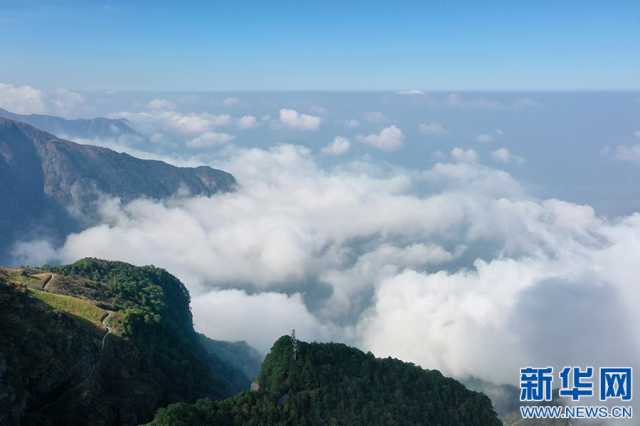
<point>105,343</point>
<point>108,343</point>
<point>333,384</point>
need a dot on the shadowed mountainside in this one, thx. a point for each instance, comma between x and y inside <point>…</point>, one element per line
<point>102,343</point>
<point>240,355</point>
<point>49,186</point>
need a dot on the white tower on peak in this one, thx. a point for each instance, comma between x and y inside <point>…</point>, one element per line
<point>294,343</point>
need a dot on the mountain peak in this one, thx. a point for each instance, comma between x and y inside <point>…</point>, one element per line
<point>52,179</point>
<point>332,383</point>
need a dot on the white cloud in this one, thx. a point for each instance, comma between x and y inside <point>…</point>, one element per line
<point>230,102</point>
<point>197,123</point>
<point>503,155</point>
<point>433,128</point>
<point>64,102</point>
<point>412,92</point>
<point>339,146</point>
<point>29,100</point>
<point>22,99</point>
<point>637,134</point>
<point>296,227</point>
<point>389,139</point>
<point>472,177</point>
<point>295,120</point>
<point>161,104</point>
<point>525,306</point>
<point>38,252</point>
<point>468,156</point>
<point>276,313</point>
<point>630,153</point>
<point>455,267</point>
<point>174,123</point>
<point>210,139</point>
<point>247,122</point>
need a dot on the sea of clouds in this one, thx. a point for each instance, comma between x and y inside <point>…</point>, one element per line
<point>454,267</point>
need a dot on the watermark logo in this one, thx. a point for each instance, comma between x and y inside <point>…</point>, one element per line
<point>536,384</point>
<point>615,383</point>
<point>574,384</point>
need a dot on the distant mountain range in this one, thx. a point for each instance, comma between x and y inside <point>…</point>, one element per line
<point>93,128</point>
<point>50,184</point>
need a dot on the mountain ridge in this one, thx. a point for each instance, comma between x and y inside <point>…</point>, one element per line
<point>55,184</point>
<point>82,128</point>
<point>310,384</point>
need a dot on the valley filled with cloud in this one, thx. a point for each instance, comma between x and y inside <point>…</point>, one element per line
<point>427,240</point>
<point>458,265</point>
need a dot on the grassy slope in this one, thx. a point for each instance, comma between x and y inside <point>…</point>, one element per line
<point>16,276</point>
<point>72,305</point>
<point>75,306</point>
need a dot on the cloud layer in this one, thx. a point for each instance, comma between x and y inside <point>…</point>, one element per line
<point>503,155</point>
<point>453,267</point>
<point>389,139</point>
<point>29,100</point>
<point>295,120</point>
<point>339,146</point>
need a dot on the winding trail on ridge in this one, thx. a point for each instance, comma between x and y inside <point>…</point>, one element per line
<point>105,323</point>
<point>48,281</point>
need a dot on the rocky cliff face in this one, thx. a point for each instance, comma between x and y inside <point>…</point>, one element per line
<point>101,343</point>
<point>53,184</point>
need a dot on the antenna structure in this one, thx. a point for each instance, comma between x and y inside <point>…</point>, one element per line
<point>294,344</point>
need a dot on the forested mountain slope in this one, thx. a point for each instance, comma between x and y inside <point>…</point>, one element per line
<point>101,343</point>
<point>333,384</point>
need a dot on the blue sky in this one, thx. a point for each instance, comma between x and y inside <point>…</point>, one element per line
<point>363,215</point>
<point>329,45</point>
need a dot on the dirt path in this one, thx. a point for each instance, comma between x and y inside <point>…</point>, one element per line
<point>48,281</point>
<point>105,323</point>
